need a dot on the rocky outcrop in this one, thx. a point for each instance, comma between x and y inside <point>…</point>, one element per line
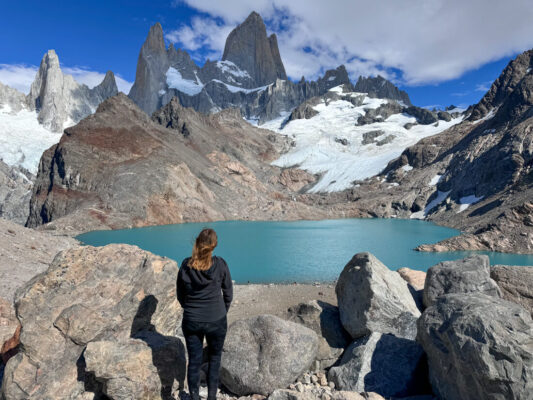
<point>27,249</point>
<point>12,99</point>
<point>151,367</point>
<point>515,283</point>
<point>502,87</point>
<point>469,275</point>
<point>324,319</point>
<point>117,169</point>
<point>9,326</point>
<point>416,279</point>
<point>478,346</point>
<point>423,116</point>
<point>104,295</point>
<point>248,47</point>
<point>385,364</point>
<point>372,298</point>
<point>381,88</point>
<point>264,353</point>
<point>15,193</point>
<point>59,100</point>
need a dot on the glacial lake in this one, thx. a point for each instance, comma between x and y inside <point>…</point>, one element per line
<point>300,251</point>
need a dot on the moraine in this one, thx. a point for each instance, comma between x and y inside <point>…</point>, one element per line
<point>302,251</point>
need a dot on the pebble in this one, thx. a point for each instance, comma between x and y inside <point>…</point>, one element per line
<point>326,396</point>
<point>300,387</point>
<point>314,379</point>
<point>331,385</point>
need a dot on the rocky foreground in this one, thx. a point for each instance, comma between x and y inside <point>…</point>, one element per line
<point>105,323</point>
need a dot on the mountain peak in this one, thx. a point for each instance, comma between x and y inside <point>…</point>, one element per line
<point>248,47</point>
<point>381,88</point>
<point>154,40</point>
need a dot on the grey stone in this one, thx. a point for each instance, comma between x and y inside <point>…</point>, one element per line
<point>478,347</point>
<point>372,298</point>
<point>264,353</point>
<point>471,274</point>
<point>16,184</point>
<point>423,116</point>
<point>445,116</point>
<point>370,136</point>
<point>381,88</point>
<point>385,364</point>
<point>515,283</point>
<point>324,319</point>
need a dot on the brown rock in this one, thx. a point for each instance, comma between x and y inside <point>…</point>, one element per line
<point>89,294</point>
<point>516,284</point>
<point>413,277</point>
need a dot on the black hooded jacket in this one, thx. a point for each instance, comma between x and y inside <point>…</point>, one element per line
<point>205,295</point>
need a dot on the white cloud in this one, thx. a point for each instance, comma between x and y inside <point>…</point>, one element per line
<point>18,76</point>
<point>430,41</point>
<point>21,76</point>
<point>483,87</point>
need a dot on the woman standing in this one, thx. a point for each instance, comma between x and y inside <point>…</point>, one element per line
<point>205,292</point>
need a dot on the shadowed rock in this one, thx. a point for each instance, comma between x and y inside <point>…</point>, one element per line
<point>264,353</point>
<point>515,283</point>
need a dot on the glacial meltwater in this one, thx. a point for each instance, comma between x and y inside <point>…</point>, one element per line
<point>300,251</point>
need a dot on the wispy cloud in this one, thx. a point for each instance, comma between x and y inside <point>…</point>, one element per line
<point>382,35</point>
<point>20,77</point>
<point>483,87</point>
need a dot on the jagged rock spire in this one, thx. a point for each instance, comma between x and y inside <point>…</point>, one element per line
<point>251,50</point>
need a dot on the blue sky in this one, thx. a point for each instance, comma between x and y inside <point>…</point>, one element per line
<point>429,51</point>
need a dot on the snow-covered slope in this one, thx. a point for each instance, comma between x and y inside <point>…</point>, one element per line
<point>331,142</point>
<point>22,139</point>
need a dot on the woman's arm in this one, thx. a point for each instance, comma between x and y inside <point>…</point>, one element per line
<point>227,286</point>
<point>180,288</point>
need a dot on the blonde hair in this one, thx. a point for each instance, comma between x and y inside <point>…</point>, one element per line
<point>203,249</point>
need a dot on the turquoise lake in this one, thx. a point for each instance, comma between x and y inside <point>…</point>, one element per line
<point>300,251</point>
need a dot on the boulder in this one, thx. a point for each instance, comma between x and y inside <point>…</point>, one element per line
<point>89,294</point>
<point>324,319</point>
<point>413,277</point>
<point>372,298</point>
<point>478,347</point>
<point>471,274</point>
<point>264,353</point>
<point>384,364</point>
<point>132,368</point>
<point>515,283</point>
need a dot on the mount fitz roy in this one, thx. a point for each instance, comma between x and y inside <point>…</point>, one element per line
<point>250,76</point>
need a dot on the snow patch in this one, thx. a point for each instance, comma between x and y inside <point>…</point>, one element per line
<point>23,140</point>
<point>441,196</point>
<point>435,180</point>
<point>466,201</point>
<point>161,92</point>
<point>407,168</point>
<point>187,86</point>
<point>230,68</point>
<point>235,89</point>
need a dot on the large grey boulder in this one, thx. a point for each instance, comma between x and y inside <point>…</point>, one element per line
<point>324,319</point>
<point>384,364</point>
<point>264,353</point>
<point>516,284</point>
<point>372,298</point>
<point>478,347</point>
<point>471,274</point>
<point>107,294</point>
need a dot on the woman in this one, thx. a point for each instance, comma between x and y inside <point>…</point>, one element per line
<point>205,292</point>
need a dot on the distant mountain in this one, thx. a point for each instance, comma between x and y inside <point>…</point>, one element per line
<point>31,123</point>
<point>250,76</point>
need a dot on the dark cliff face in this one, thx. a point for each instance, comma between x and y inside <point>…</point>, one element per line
<point>251,50</point>
<point>152,66</point>
<point>381,88</point>
<point>502,87</point>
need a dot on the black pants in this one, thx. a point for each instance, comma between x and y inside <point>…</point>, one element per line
<point>214,333</point>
